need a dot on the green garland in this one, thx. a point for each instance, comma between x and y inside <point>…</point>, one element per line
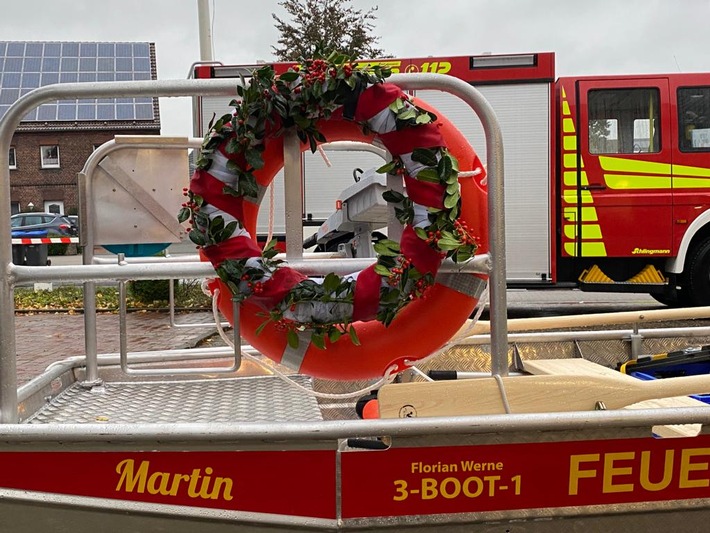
<point>300,98</point>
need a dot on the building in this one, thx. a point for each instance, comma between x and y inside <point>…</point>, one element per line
<point>52,143</point>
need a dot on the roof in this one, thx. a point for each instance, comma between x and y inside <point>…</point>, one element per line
<point>27,65</point>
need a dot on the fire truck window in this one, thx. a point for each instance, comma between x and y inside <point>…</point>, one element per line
<point>693,119</point>
<point>623,121</point>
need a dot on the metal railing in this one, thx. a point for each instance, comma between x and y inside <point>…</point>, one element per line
<point>89,273</point>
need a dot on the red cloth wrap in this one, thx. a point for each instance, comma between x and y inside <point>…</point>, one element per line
<point>212,190</point>
<point>366,300</point>
<point>374,99</point>
<point>405,141</point>
<point>424,258</point>
<point>235,248</point>
<point>282,281</point>
<point>425,193</point>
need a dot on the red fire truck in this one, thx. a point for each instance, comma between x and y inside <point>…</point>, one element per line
<point>607,178</point>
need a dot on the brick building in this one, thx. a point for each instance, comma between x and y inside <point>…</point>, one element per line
<point>53,142</point>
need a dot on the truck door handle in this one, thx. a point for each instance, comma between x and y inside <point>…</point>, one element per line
<point>593,187</point>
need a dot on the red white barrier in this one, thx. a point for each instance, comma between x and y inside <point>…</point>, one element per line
<point>46,240</point>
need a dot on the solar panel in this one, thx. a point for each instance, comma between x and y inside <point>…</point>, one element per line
<point>28,65</point>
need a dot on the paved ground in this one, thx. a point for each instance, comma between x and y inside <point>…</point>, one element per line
<point>45,338</point>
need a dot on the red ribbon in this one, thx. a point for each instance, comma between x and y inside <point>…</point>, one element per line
<point>366,300</point>
<point>275,290</point>
<point>212,190</point>
<point>424,258</point>
<point>424,192</point>
<point>235,248</point>
<point>406,140</point>
<point>374,99</point>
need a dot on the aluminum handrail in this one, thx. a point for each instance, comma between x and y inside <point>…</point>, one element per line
<point>220,87</point>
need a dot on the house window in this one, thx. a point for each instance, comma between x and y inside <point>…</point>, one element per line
<point>54,206</point>
<point>694,119</point>
<point>14,208</point>
<point>12,158</point>
<point>50,156</point>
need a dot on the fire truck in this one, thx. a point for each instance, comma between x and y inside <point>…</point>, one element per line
<point>607,178</point>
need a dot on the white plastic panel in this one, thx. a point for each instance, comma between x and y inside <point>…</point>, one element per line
<point>523,111</point>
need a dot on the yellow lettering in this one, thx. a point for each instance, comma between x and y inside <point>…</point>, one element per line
<point>176,483</point>
<point>129,479</point>
<point>192,488</point>
<point>645,477</point>
<point>610,471</point>
<point>163,478</point>
<point>687,466</point>
<point>576,473</point>
<point>429,490</point>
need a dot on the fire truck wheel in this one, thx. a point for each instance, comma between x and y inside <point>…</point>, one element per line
<point>698,275</point>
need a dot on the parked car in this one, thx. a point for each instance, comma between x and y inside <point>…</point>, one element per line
<point>52,223</point>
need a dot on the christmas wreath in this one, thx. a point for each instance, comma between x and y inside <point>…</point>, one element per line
<point>302,98</point>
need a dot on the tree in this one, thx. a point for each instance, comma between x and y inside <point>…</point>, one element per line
<point>320,26</point>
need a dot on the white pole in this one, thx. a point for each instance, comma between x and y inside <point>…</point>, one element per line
<point>203,20</point>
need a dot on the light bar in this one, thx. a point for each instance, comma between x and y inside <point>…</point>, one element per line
<point>517,60</point>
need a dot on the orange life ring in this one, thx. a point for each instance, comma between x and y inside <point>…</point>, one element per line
<point>420,328</point>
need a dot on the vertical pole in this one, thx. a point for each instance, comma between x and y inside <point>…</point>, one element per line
<point>204,23</point>
<point>293,177</point>
<point>8,355</point>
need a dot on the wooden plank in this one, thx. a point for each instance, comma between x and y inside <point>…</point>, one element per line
<point>528,394</point>
<point>585,367</point>
<point>569,367</point>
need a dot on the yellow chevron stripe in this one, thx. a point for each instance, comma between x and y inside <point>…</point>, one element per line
<point>589,214</point>
<point>565,109</point>
<point>619,164</point>
<point>569,142</point>
<point>629,181</point>
<point>567,125</point>
<point>589,231</point>
<point>691,171</point>
<point>570,197</point>
<point>690,183</point>
<point>570,178</point>
<point>589,249</point>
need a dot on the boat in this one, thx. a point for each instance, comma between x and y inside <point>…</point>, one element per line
<point>217,440</point>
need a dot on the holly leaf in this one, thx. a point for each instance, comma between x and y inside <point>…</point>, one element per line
<point>318,340</point>
<point>353,336</point>
<point>184,214</point>
<point>428,174</point>
<point>292,339</point>
<point>393,196</point>
<point>425,156</point>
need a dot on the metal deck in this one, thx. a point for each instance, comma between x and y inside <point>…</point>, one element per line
<point>243,399</point>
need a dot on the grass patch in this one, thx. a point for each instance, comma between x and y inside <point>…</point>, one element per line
<point>70,298</point>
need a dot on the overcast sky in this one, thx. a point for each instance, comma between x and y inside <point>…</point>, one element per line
<point>589,37</point>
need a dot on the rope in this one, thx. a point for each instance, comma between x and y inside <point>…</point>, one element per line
<point>270,233</point>
<point>503,394</point>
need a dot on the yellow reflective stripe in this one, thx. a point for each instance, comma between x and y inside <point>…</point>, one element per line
<point>691,171</point>
<point>569,142</point>
<point>570,161</point>
<point>589,214</point>
<point>690,183</point>
<point>570,178</point>
<point>567,125</point>
<point>618,164</point>
<point>570,197</point>
<point>589,249</point>
<point>570,214</point>
<point>565,109</point>
<point>628,181</point>
<point>589,231</point>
